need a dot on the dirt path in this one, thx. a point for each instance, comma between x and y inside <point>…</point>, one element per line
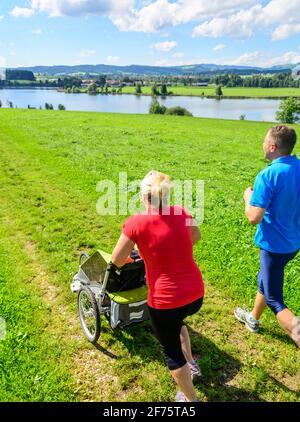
<point>91,367</point>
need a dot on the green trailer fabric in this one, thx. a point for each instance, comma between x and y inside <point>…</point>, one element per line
<point>130,296</point>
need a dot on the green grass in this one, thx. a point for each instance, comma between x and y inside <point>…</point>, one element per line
<point>33,365</point>
<point>228,92</point>
<point>22,81</point>
<point>50,164</point>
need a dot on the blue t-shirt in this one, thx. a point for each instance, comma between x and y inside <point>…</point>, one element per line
<point>277,188</point>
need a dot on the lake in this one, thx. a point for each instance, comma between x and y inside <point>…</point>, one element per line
<point>253,109</point>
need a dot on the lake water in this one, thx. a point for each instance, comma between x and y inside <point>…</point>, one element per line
<point>253,109</point>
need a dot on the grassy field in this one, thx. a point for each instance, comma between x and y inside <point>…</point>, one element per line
<point>50,164</point>
<point>228,92</point>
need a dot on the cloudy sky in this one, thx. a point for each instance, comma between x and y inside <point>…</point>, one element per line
<point>153,32</point>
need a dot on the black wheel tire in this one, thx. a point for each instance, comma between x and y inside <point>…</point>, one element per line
<point>87,304</point>
<point>83,257</point>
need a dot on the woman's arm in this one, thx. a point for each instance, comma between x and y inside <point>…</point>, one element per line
<point>122,250</point>
<point>196,234</point>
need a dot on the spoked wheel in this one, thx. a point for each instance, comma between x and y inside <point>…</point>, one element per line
<point>88,314</point>
<point>83,257</point>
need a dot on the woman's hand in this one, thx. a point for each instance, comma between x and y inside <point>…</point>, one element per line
<point>196,234</point>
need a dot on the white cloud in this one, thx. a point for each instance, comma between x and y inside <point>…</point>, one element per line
<point>286,30</point>
<point>112,59</point>
<point>162,13</point>
<point>263,59</point>
<point>177,55</point>
<point>162,63</point>
<point>290,57</point>
<point>1,18</point>
<point>139,15</point>
<point>2,62</point>
<point>281,10</point>
<point>215,18</point>
<point>165,46</point>
<point>238,25</point>
<point>87,53</point>
<point>244,23</point>
<point>22,12</point>
<point>36,31</point>
<point>82,7</point>
<point>219,47</point>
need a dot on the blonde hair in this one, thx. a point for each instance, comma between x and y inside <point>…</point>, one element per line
<point>156,187</point>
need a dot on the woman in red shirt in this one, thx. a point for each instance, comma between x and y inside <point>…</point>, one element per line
<point>165,236</point>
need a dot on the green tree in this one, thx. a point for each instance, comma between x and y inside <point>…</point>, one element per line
<point>178,111</point>
<point>61,107</point>
<point>138,89</point>
<point>154,90</point>
<point>156,108</point>
<point>101,81</point>
<point>289,111</point>
<point>219,91</point>
<point>92,88</point>
<point>164,90</point>
<point>21,75</point>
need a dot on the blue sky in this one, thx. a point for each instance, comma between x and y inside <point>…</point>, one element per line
<point>153,32</point>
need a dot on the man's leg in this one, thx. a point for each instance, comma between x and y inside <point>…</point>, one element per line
<point>290,323</point>
<point>251,319</point>
<point>259,306</point>
<point>274,265</point>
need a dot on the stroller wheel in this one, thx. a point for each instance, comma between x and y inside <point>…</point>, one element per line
<point>88,314</point>
<point>83,257</point>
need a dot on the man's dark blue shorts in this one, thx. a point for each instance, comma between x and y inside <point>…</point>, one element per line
<point>271,276</point>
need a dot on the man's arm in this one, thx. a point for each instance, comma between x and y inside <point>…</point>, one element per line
<point>254,214</point>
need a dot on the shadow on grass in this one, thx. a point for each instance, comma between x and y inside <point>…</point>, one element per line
<point>281,336</point>
<point>105,351</point>
<point>217,366</point>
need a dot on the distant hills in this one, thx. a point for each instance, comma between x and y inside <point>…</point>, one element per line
<point>195,69</point>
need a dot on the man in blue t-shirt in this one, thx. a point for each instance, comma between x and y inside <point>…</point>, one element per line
<point>274,204</point>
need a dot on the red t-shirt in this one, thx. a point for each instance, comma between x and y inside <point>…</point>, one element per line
<point>165,244</point>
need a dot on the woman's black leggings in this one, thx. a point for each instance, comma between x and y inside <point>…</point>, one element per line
<point>167,324</point>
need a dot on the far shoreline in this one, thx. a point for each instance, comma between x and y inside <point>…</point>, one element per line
<point>148,94</point>
<point>209,96</point>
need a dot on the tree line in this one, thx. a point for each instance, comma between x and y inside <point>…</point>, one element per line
<point>279,80</point>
